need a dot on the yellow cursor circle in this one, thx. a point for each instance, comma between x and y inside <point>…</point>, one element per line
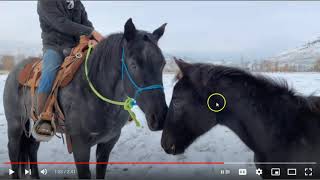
<point>216,102</point>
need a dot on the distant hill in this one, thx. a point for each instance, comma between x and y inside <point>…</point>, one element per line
<point>20,47</point>
<point>172,67</point>
<point>304,56</point>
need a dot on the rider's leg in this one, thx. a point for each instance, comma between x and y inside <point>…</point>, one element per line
<point>51,62</point>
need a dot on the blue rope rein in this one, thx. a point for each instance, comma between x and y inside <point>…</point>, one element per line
<point>139,89</point>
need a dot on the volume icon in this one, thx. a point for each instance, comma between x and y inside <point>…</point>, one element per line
<point>44,171</point>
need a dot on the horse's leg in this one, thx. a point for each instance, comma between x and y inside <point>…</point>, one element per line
<point>33,147</point>
<point>102,155</point>
<point>81,153</point>
<point>23,156</point>
<point>14,146</point>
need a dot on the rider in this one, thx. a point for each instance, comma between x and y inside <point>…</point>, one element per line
<point>62,23</point>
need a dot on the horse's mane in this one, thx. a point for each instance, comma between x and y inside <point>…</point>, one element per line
<point>219,71</point>
<point>277,86</point>
<point>101,58</point>
<point>232,72</point>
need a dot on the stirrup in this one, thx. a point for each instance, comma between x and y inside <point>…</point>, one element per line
<point>41,137</point>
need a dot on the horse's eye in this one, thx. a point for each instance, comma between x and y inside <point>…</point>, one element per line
<point>133,66</point>
<point>146,38</point>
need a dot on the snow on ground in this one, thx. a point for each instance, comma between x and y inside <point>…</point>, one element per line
<point>140,144</point>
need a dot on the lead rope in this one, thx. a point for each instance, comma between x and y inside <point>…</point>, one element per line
<point>127,104</point>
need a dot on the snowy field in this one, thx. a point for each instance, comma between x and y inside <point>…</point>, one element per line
<point>140,144</point>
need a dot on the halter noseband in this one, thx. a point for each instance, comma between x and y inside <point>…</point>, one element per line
<point>124,69</point>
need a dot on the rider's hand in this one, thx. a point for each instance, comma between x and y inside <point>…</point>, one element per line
<point>93,43</point>
<point>97,36</point>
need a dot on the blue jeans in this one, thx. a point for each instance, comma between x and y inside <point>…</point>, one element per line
<point>51,62</point>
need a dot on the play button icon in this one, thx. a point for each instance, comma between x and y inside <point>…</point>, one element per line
<point>26,171</point>
<point>11,171</point>
<point>216,102</point>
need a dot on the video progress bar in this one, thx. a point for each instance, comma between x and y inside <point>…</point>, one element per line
<point>271,163</point>
<point>171,163</point>
<point>126,163</point>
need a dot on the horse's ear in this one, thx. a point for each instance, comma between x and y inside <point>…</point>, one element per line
<point>159,32</point>
<point>183,66</point>
<point>192,72</point>
<point>129,30</point>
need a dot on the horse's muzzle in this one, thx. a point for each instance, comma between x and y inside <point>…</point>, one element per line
<point>156,120</point>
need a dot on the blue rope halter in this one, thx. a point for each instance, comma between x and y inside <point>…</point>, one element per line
<point>139,89</point>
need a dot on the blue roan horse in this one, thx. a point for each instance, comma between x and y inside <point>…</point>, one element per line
<point>89,120</point>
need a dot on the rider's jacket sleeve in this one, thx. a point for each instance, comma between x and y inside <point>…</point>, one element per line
<point>52,11</point>
<point>84,17</point>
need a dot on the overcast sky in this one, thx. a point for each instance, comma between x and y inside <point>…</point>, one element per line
<point>252,29</point>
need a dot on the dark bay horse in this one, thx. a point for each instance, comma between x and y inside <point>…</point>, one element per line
<point>274,121</point>
<point>89,120</point>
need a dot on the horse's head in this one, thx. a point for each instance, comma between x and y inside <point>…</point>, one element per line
<point>143,63</point>
<point>188,116</point>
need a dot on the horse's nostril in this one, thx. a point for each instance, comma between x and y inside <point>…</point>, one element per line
<point>155,123</point>
<point>154,120</point>
<point>173,148</point>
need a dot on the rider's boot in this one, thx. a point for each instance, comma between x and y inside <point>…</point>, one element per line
<point>44,127</point>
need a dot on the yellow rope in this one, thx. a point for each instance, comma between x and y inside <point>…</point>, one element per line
<point>127,104</point>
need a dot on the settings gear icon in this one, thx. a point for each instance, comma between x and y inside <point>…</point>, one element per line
<point>259,172</point>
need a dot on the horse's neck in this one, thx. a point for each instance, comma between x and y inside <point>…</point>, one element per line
<point>248,125</point>
<point>247,136</point>
<point>269,124</point>
<point>263,133</point>
<point>106,77</point>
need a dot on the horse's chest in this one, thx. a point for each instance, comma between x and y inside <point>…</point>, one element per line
<point>102,137</point>
<point>97,121</point>
<point>106,126</point>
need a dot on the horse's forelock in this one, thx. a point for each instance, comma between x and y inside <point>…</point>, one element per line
<point>313,103</point>
<point>178,75</point>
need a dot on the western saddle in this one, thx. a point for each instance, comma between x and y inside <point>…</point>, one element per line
<point>29,76</point>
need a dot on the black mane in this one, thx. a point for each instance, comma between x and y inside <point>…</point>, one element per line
<point>101,57</point>
<point>277,91</point>
<point>264,90</point>
<point>275,84</point>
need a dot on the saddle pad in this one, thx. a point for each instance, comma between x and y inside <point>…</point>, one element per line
<point>28,71</point>
<point>69,67</point>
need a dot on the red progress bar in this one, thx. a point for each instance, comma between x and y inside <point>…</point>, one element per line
<point>129,163</point>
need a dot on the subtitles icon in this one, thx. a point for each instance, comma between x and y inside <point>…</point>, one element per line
<point>242,172</point>
<point>275,171</point>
